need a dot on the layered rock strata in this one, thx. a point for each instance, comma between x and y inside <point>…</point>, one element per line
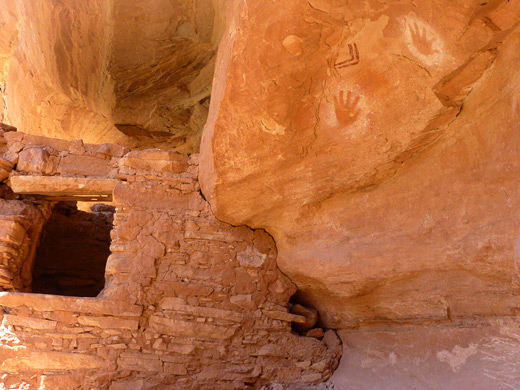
<point>189,302</point>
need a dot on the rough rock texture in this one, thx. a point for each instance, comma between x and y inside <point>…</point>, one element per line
<point>189,302</point>
<point>52,167</point>
<point>138,73</point>
<point>21,223</point>
<point>378,143</point>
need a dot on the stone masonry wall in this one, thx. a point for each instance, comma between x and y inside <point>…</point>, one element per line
<point>39,165</point>
<point>189,302</point>
<point>21,223</point>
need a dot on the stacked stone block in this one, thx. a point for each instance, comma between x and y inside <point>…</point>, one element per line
<point>189,302</point>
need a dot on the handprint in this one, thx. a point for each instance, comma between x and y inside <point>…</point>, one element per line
<point>346,112</point>
<point>421,41</point>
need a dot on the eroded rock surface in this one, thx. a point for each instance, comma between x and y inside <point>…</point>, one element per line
<point>477,355</point>
<point>378,143</point>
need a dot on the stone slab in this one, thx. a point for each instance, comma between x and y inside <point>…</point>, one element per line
<point>190,329</point>
<point>136,196</point>
<point>47,302</point>
<point>85,166</point>
<point>172,304</point>
<point>20,360</point>
<point>139,362</point>
<point>61,186</point>
<point>282,316</point>
<point>28,322</point>
<point>109,322</point>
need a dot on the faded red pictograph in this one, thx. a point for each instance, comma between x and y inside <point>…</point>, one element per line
<point>352,60</point>
<point>345,108</point>
<point>421,41</point>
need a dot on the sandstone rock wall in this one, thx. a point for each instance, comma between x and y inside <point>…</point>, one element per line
<point>189,302</point>
<point>21,224</point>
<point>377,142</point>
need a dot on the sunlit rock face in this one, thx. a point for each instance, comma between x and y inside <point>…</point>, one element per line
<point>378,142</point>
<point>138,73</point>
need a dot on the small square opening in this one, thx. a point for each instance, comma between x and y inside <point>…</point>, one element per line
<point>73,251</point>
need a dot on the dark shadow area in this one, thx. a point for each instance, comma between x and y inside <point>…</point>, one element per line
<point>299,306</point>
<point>73,251</point>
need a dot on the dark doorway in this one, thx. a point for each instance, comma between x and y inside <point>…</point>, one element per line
<point>73,251</point>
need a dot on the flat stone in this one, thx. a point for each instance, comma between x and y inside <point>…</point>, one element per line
<point>21,359</point>
<point>85,166</point>
<point>137,196</point>
<point>28,322</point>
<point>284,316</point>
<point>244,301</point>
<point>47,302</point>
<point>109,322</point>
<point>62,186</point>
<point>310,314</point>
<point>156,160</point>
<point>171,304</point>
<point>139,362</point>
<point>37,140</point>
<point>175,368</point>
<point>181,349</point>
<point>190,329</point>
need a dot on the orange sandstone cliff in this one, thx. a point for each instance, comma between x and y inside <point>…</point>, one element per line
<point>358,171</point>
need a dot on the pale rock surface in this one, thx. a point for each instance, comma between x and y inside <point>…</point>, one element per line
<point>477,355</point>
<point>378,143</point>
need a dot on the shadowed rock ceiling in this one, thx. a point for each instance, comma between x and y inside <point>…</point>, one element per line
<point>137,73</point>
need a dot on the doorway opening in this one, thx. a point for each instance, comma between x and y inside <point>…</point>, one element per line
<point>73,251</point>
